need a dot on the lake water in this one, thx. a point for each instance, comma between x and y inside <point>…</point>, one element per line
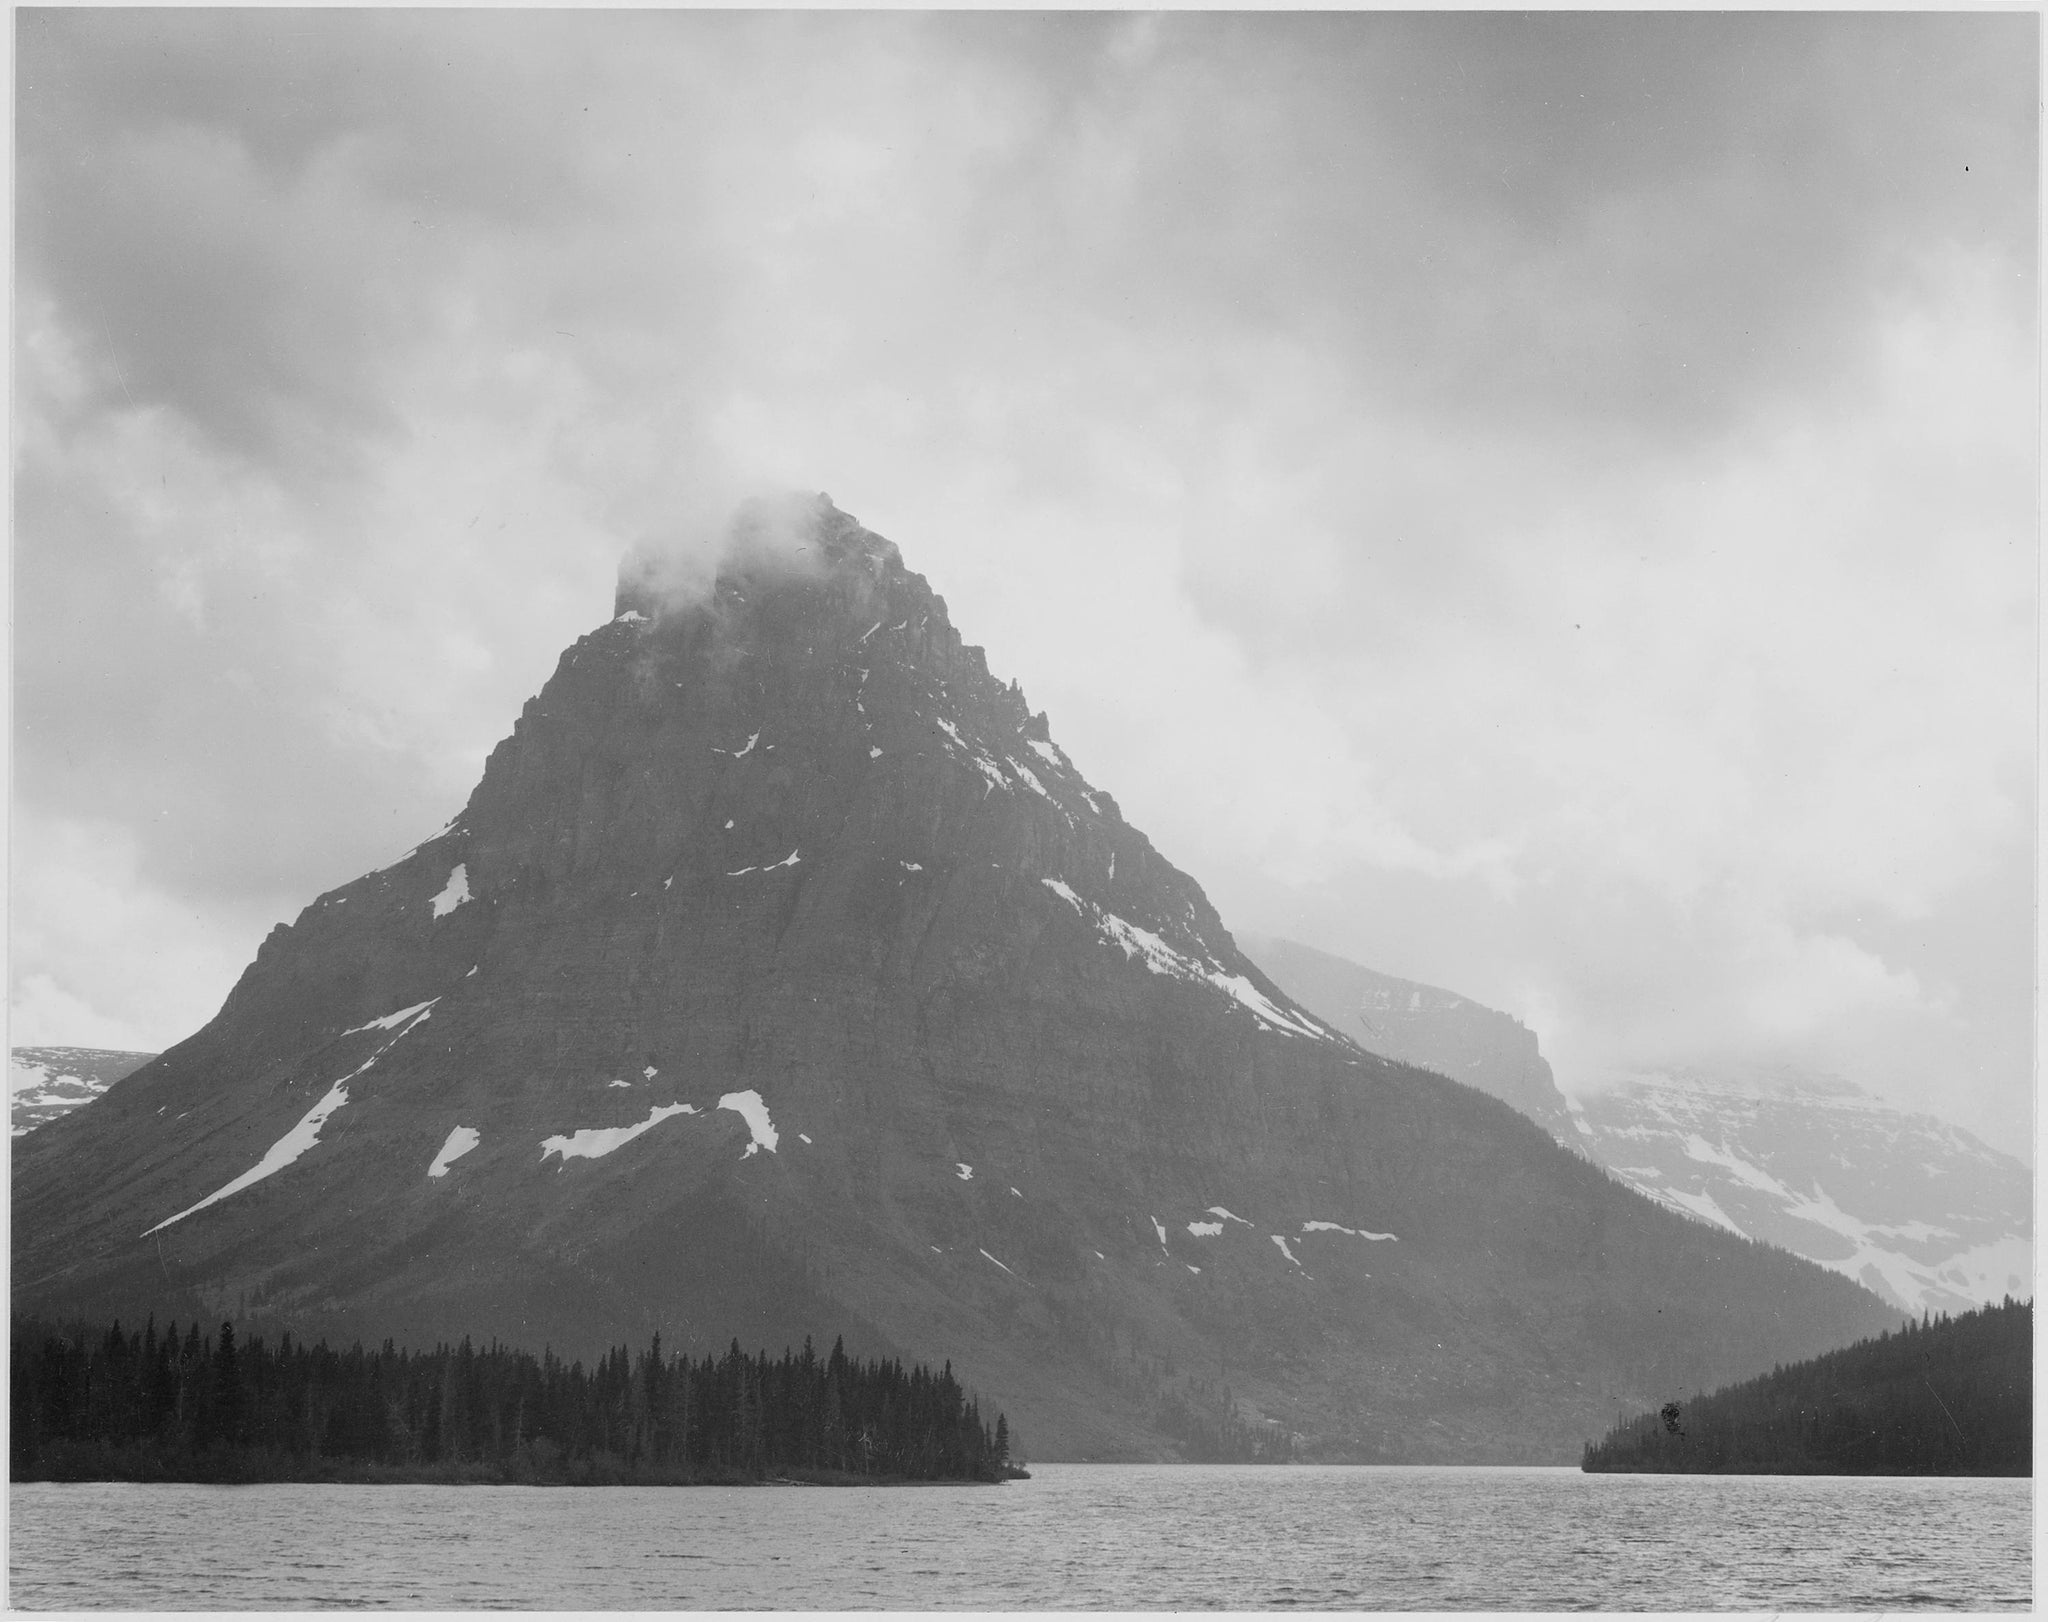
<point>1076,1536</point>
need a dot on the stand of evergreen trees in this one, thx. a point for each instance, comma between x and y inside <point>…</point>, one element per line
<point>1946,1396</point>
<point>148,1406</point>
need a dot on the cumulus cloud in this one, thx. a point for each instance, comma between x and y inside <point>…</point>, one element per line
<point>1542,505</point>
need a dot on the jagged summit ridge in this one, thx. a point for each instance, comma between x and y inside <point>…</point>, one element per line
<point>871,614</point>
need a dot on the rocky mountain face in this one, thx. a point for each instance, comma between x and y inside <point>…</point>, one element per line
<point>1425,1026</point>
<point>44,1083</point>
<point>783,977</point>
<point>1913,1207</point>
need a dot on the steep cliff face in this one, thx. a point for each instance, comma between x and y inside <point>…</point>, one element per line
<point>1425,1026</point>
<point>783,977</point>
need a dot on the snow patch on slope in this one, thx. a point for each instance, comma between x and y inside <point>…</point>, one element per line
<point>1338,1227</point>
<point>393,1021</point>
<point>595,1142</point>
<point>43,1083</point>
<point>2001,1267</point>
<point>1029,779</point>
<point>279,1155</point>
<point>980,761</point>
<point>25,1079</point>
<point>790,860</point>
<point>460,1142</point>
<point>1163,959</point>
<point>307,1133</point>
<point>751,1109</point>
<point>454,893</point>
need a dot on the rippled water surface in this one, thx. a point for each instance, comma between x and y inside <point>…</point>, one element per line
<point>1076,1536</point>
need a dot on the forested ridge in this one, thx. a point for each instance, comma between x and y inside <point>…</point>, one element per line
<point>147,1406</point>
<point>1945,1396</point>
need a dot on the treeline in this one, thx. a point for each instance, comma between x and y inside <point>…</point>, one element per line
<point>147,1406</point>
<point>1945,1396</point>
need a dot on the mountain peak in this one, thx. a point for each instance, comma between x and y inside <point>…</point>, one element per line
<point>794,535</point>
<point>784,977</point>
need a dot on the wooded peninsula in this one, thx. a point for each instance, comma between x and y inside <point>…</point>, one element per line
<point>115,1405</point>
<point>1945,1396</point>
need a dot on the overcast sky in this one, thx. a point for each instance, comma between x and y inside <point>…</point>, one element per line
<point>1543,506</point>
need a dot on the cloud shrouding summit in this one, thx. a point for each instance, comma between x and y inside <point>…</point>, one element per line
<point>1541,505</point>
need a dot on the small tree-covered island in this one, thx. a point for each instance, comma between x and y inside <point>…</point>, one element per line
<point>144,1405</point>
<point>1942,1397</point>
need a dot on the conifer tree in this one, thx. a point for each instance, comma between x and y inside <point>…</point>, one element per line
<point>227,1389</point>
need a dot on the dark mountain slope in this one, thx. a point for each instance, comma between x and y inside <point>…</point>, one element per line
<point>782,977</point>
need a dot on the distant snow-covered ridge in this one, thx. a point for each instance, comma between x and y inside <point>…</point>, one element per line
<point>1913,1207</point>
<point>44,1083</point>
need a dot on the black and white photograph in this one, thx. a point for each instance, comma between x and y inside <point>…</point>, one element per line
<point>1023,810</point>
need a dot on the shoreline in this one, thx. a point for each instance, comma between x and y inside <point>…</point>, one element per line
<point>439,1478</point>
